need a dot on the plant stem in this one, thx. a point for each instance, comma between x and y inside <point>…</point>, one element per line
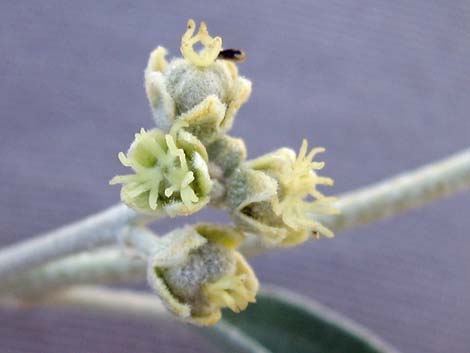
<point>107,266</point>
<point>93,298</point>
<point>402,192</point>
<point>94,231</point>
<point>391,196</point>
<point>142,240</point>
<point>366,205</point>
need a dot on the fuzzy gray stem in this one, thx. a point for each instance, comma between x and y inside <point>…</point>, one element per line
<point>391,196</point>
<point>97,230</point>
<point>107,266</point>
<point>141,240</point>
<point>98,299</point>
<point>369,204</point>
<point>402,192</point>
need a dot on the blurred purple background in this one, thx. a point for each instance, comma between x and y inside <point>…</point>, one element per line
<point>384,85</point>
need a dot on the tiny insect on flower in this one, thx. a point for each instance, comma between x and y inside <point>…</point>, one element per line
<point>202,88</point>
<point>236,55</point>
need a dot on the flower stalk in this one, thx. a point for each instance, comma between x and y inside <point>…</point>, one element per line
<point>416,188</point>
<point>92,232</point>
<point>100,299</point>
<point>405,191</point>
<point>392,196</point>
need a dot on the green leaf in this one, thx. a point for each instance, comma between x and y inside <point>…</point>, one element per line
<point>230,339</point>
<point>284,322</point>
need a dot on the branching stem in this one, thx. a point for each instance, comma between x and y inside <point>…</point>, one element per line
<point>99,299</point>
<point>92,232</point>
<point>369,204</point>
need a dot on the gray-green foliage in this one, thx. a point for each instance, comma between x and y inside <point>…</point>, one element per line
<point>283,322</point>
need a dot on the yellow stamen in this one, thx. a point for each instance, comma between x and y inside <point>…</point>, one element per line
<point>230,291</point>
<point>298,183</point>
<point>212,45</point>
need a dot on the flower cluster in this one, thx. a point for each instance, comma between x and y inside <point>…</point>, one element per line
<point>193,100</point>
<point>189,161</point>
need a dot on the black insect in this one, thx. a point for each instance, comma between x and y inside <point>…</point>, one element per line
<point>236,55</point>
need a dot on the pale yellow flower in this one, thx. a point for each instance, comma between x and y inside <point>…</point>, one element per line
<point>199,88</point>
<point>298,199</point>
<point>170,173</point>
<point>276,196</point>
<point>197,272</point>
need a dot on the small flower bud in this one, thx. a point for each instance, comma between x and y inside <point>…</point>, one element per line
<point>205,119</point>
<point>227,153</point>
<point>189,85</point>
<point>286,216</point>
<point>202,90</point>
<point>197,272</point>
<point>249,195</point>
<point>170,173</point>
